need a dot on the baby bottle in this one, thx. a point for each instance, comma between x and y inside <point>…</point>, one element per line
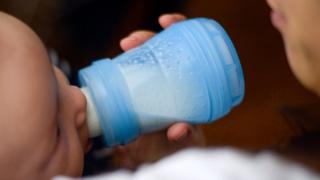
<point>189,72</point>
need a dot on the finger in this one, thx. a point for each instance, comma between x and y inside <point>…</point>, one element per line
<point>179,132</point>
<point>168,19</point>
<point>135,39</point>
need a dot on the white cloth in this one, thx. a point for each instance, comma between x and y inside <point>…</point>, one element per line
<point>213,164</point>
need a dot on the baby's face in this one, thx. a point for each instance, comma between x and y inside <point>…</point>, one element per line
<point>298,22</point>
<point>42,118</point>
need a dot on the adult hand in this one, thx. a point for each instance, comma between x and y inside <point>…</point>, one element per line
<point>178,132</point>
<point>153,146</point>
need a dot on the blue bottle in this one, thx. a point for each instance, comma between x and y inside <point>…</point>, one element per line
<point>188,72</point>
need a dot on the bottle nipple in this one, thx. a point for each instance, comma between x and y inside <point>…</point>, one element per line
<point>92,115</point>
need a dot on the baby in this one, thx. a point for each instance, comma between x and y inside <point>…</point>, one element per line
<point>42,117</point>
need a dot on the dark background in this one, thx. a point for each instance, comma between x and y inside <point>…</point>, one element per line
<point>277,112</point>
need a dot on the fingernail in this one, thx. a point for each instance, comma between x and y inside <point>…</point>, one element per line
<point>131,38</point>
<point>175,16</point>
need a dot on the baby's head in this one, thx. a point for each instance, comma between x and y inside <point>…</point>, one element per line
<point>298,22</point>
<point>42,117</point>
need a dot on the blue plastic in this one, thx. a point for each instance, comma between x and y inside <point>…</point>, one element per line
<point>188,72</point>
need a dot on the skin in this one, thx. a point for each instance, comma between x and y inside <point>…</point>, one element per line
<point>42,117</point>
<point>297,21</point>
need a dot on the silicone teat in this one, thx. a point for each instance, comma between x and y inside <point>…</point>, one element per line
<point>92,115</point>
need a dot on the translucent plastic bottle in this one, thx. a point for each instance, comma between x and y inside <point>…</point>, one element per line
<point>189,72</point>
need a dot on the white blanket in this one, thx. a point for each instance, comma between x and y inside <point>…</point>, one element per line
<point>213,164</point>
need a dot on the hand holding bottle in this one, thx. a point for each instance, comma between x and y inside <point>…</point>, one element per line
<point>178,132</point>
